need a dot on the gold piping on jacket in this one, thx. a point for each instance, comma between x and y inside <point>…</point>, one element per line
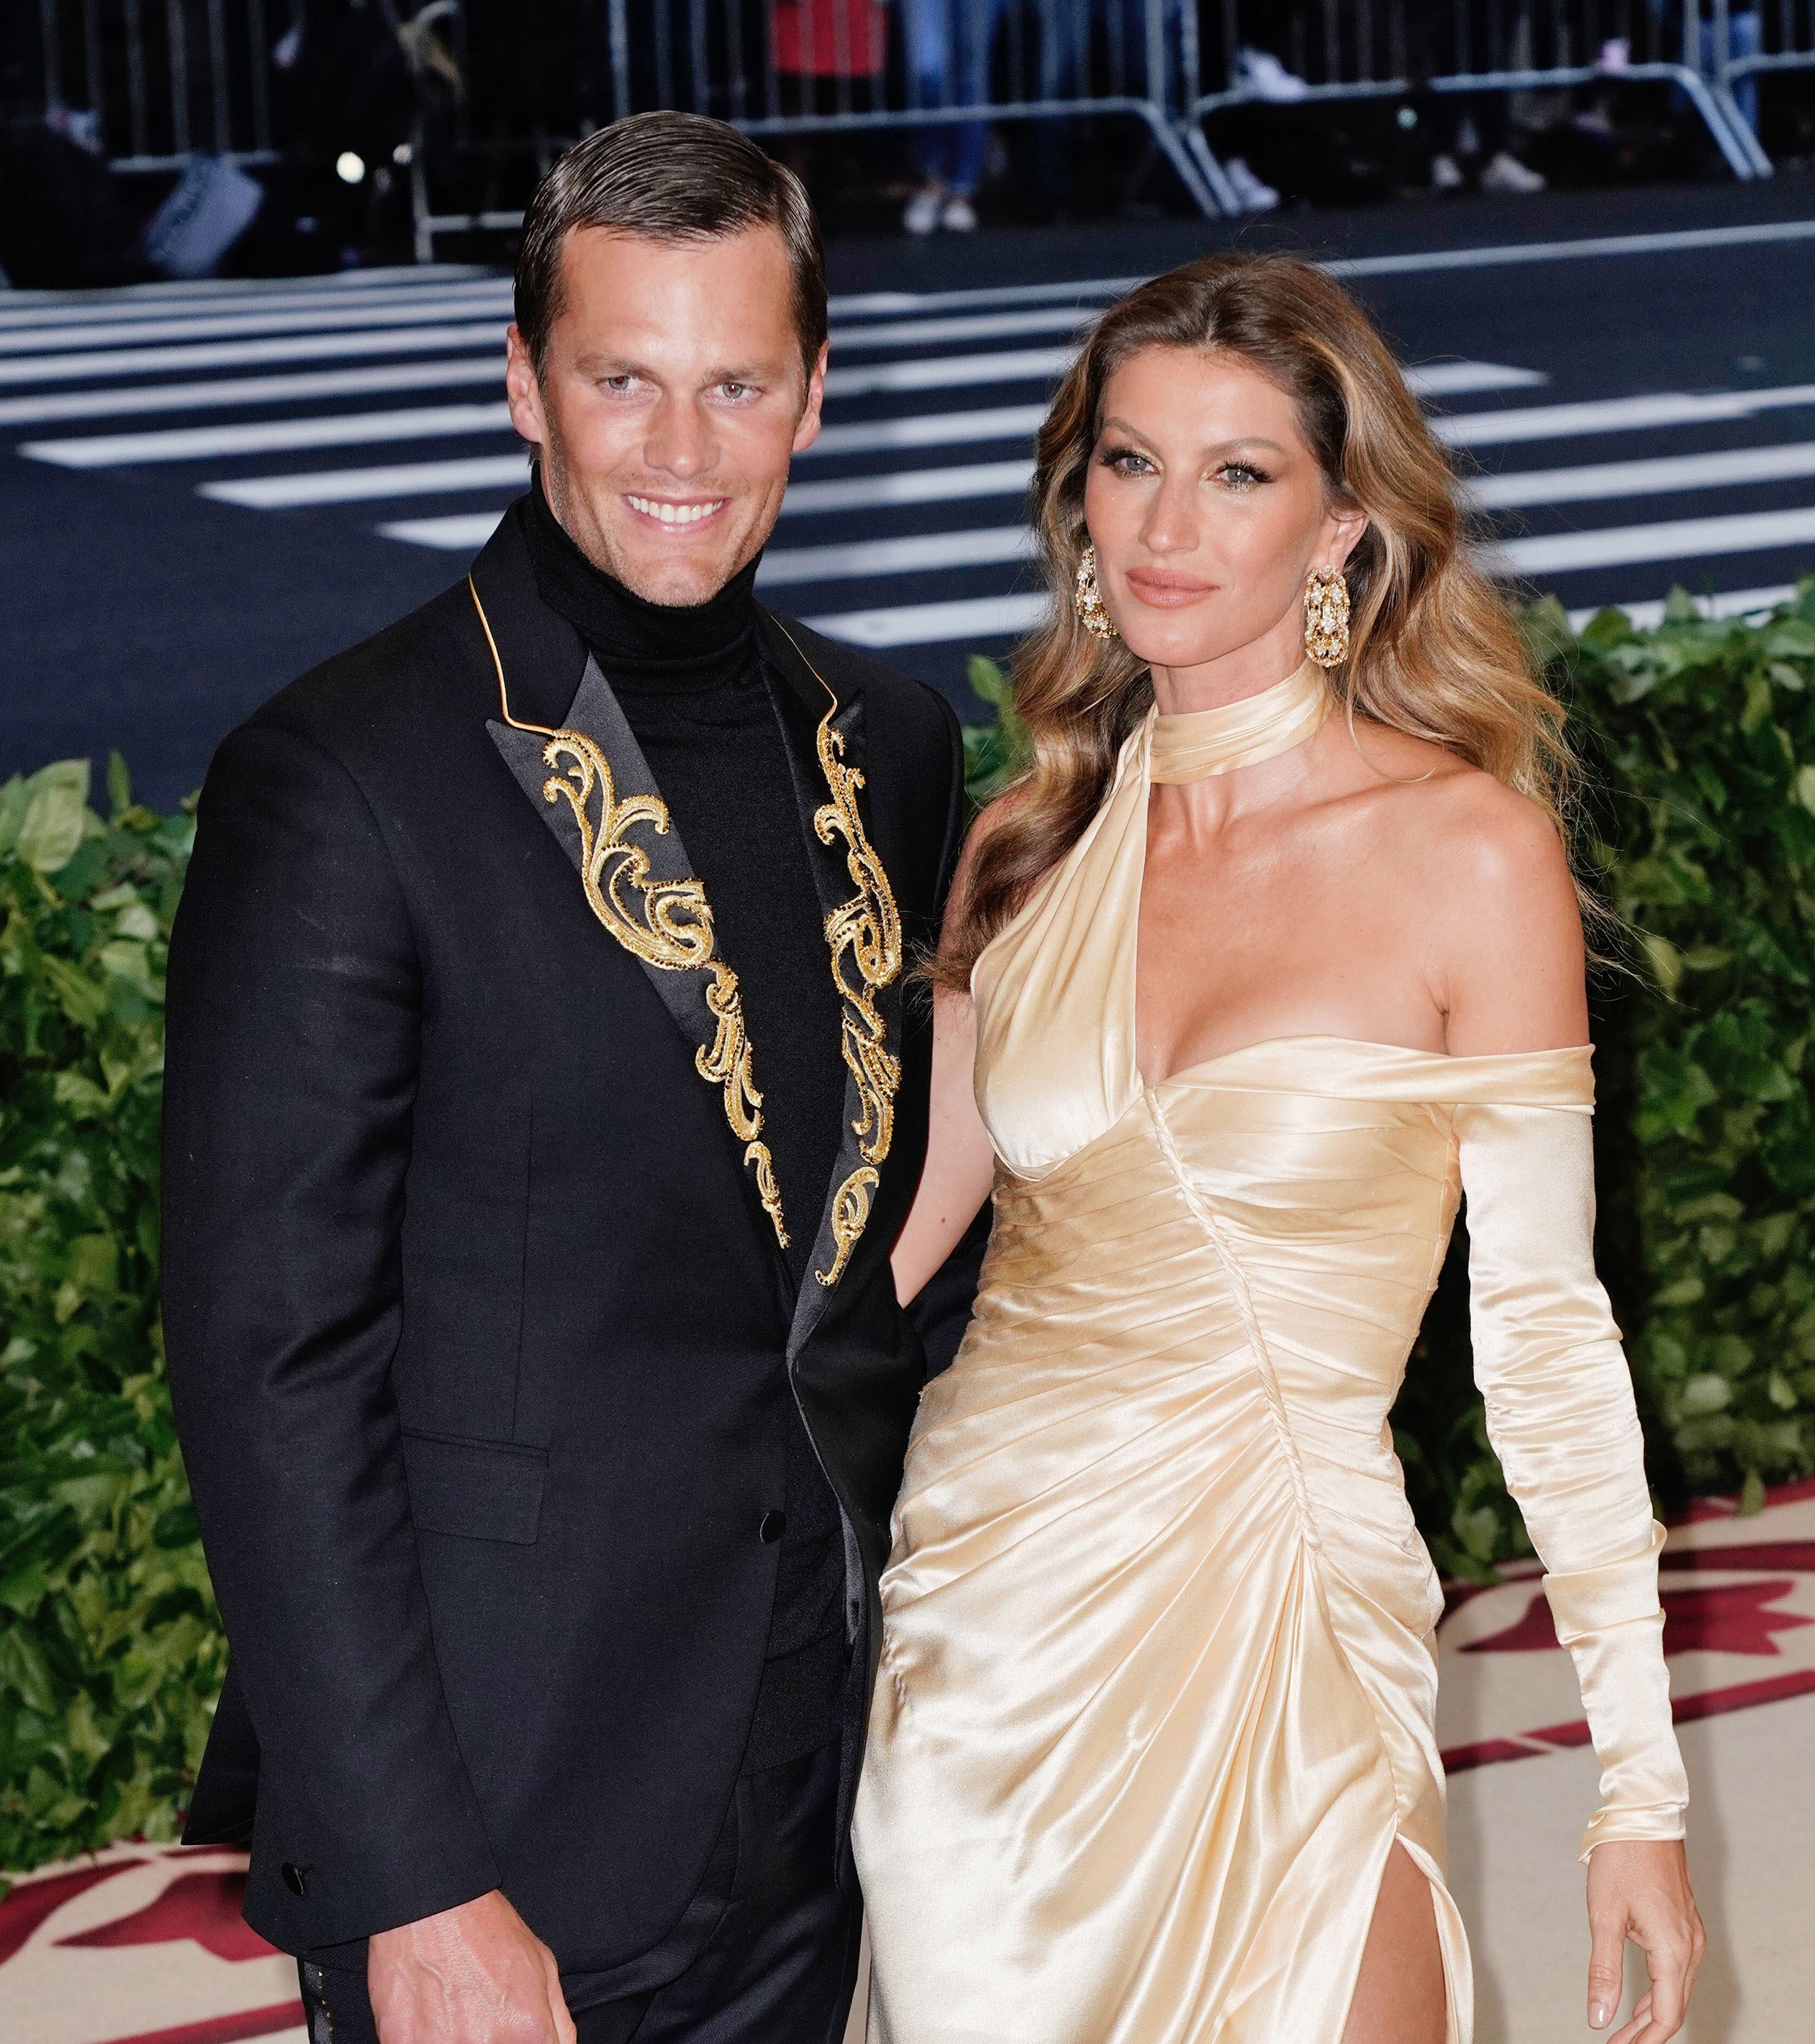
<point>670,926</point>
<point>868,930</point>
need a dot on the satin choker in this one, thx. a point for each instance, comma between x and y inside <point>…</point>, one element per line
<point>1200,742</point>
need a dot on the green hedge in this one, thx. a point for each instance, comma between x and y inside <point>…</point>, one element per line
<point>1701,736</point>
<point>110,1653</point>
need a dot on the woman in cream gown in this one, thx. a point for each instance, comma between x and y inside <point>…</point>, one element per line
<point>1237,1000</point>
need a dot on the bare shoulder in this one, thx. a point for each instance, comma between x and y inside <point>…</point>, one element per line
<point>1458,830</point>
<point>984,826</point>
<point>1481,869</point>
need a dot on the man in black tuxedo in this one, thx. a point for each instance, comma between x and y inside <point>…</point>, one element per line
<point>544,1100</point>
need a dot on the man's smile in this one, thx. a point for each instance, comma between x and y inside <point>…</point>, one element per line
<point>675,511</point>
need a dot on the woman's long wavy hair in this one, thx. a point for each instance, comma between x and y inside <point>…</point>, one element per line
<point>1433,649</point>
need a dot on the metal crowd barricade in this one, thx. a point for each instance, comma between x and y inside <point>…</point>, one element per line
<point>1362,49</point>
<point>151,84</point>
<point>779,67</point>
<point>1746,39</point>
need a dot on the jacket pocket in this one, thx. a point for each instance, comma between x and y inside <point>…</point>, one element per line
<point>482,1490</point>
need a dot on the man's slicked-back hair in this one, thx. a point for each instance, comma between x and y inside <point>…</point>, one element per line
<point>670,177</point>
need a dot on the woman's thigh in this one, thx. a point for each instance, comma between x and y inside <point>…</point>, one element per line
<point>1399,1991</point>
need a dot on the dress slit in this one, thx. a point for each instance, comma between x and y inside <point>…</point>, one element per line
<point>1453,1945</point>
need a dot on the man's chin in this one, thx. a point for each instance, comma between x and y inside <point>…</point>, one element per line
<point>677,585</point>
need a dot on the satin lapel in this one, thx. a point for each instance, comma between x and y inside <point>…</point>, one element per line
<point>639,883</point>
<point>863,937</point>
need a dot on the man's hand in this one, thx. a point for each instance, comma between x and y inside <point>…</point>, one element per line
<point>476,1974</point>
<point>1640,1889</point>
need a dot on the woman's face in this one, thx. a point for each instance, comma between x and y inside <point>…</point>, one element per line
<point>1208,509</point>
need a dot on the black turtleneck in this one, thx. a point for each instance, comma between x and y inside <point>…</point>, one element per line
<point>692,685</point>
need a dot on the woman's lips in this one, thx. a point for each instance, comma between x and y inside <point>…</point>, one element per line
<point>1168,592</point>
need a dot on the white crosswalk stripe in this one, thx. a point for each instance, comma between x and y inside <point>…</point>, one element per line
<point>389,311</point>
<point>378,399</point>
<point>244,393</point>
<point>219,355</point>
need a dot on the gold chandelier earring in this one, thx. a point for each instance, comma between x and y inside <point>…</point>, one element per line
<point>1326,616</point>
<point>1089,598</point>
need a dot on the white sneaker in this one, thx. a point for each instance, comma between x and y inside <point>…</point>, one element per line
<point>1254,194</point>
<point>1260,72</point>
<point>958,215</point>
<point>1446,173</point>
<point>921,215</point>
<point>1506,173</point>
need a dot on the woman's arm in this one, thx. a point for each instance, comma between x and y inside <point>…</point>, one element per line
<point>1508,966</point>
<point>960,1166</point>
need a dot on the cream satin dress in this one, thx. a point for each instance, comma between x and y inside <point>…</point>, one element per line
<point>1159,1680</point>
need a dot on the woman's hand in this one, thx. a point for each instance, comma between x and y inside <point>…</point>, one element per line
<point>1639,1888</point>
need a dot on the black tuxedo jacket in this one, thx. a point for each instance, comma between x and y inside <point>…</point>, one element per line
<point>479,1335</point>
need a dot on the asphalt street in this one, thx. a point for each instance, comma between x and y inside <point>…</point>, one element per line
<point>205,488</point>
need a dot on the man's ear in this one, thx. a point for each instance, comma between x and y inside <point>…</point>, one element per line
<point>524,388</point>
<point>807,431</point>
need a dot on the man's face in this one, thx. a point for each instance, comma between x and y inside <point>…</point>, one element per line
<point>671,399</point>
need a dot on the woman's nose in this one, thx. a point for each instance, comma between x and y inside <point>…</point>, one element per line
<point>1171,525</point>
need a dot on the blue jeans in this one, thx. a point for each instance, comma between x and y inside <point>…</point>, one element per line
<point>1067,27</point>
<point>1745,38</point>
<point>949,44</point>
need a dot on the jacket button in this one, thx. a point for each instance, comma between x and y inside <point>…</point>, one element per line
<point>771,1526</point>
<point>295,1878</point>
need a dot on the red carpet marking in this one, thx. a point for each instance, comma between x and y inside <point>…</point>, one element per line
<point>1564,1735</point>
<point>225,2029</point>
<point>1685,1710</point>
<point>1704,1509</point>
<point>1729,1618</point>
<point>202,1907</point>
<point>1797,1554</point>
<point>1744,1695</point>
<point>30,1902</point>
<point>1732,1619</point>
<point>1459,1759</point>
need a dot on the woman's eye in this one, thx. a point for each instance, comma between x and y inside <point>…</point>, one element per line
<point>1126,461</point>
<point>1241,475</point>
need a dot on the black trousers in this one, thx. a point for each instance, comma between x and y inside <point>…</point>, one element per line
<point>778,1957</point>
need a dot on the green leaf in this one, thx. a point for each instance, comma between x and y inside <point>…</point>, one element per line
<point>56,815</point>
<point>119,784</point>
<point>1666,961</point>
<point>988,682</point>
<point>1706,1392</point>
<point>13,797</point>
<point>82,999</point>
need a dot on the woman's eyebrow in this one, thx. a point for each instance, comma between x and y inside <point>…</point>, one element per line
<point>1214,447</point>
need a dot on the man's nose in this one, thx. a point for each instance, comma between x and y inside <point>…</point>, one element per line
<point>680,441</point>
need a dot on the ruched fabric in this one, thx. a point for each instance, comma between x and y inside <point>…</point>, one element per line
<point>1158,1679</point>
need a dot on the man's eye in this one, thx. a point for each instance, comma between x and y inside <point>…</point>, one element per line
<point>623,381</point>
<point>735,391</point>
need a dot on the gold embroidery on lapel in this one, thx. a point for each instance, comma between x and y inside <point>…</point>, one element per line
<point>868,929</point>
<point>670,929</point>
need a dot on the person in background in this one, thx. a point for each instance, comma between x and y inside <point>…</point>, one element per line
<point>1472,132</point>
<point>949,44</point>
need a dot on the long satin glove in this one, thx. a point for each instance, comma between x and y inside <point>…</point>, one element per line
<point>1561,1416</point>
